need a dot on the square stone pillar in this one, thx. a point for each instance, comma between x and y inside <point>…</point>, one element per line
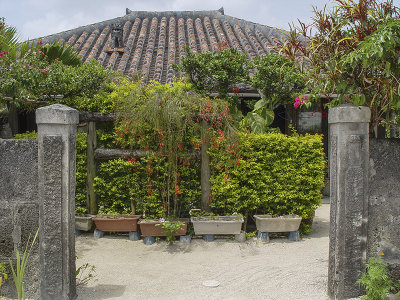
<point>56,192</point>
<point>348,162</point>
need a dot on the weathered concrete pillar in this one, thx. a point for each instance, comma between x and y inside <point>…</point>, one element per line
<point>56,190</point>
<point>349,161</point>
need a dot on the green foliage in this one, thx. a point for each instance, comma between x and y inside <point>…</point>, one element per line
<point>18,272</point>
<point>165,120</point>
<point>8,38</point>
<point>33,73</point>
<point>277,80</point>
<point>215,71</point>
<point>81,173</point>
<point>139,186</point>
<point>26,135</point>
<point>376,280</point>
<point>31,77</point>
<point>3,274</point>
<point>273,174</point>
<point>353,53</point>
<point>63,52</point>
<point>170,228</point>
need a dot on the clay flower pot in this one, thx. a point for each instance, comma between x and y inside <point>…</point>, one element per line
<point>116,223</point>
<point>149,228</point>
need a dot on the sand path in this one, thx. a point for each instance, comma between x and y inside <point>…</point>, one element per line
<point>280,269</point>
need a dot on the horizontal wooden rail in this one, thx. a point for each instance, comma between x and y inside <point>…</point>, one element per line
<point>108,154</point>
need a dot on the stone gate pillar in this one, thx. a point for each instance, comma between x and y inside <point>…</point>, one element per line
<point>349,161</point>
<point>56,190</point>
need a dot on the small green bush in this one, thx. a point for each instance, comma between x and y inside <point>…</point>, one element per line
<point>26,135</point>
<point>376,280</point>
<point>275,174</point>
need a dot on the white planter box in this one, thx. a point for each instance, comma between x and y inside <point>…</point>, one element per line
<point>84,223</point>
<point>217,225</point>
<point>267,223</point>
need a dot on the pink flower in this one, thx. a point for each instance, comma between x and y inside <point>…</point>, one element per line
<point>3,53</point>
<point>162,220</point>
<point>43,72</point>
<point>298,102</point>
<point>40,42</point>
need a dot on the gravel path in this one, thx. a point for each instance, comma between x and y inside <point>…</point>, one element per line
<point>278,270</point>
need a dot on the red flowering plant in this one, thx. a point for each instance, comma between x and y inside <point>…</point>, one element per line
<point>166,121</point>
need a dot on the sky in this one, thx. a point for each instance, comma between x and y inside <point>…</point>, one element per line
<point>38,18</point>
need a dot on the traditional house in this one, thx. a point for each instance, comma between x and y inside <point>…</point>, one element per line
<point>150,43</point>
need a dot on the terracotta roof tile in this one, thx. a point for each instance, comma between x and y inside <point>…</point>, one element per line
<point>103,54</point>
<point>139,47</point>
<point>202,36</point>
<point>99,43</point>
<point>88,44</point>
<point>78,44</point>
<point>150,49</point>
<point>181,38</point>
<point>191,36</point>
<point>71,40</point>
<point>161,49</point>
<point>171,49</point>
<point>220,32</point>
<point>255,43</point>
<point>129,46</point>
<point>210,33</point>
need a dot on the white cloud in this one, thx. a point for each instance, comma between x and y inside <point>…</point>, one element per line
<point>35,18</point>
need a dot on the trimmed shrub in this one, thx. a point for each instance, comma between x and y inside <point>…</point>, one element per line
<point>139,185</point>
<point>275,174</point>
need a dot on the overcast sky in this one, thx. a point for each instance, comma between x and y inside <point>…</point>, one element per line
<point>37,18</point>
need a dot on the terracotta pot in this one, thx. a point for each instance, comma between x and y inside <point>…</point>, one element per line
<point>116,223</point>
<point>149,228</point>
<point>217,225</point>
<point>267,223</point>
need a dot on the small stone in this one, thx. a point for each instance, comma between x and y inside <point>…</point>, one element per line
<point>211,283</point>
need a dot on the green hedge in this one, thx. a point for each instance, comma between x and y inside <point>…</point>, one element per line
<point>276,174</point>
<point>122,184</point>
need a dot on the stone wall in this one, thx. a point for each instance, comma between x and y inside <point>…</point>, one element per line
<point>384,203</point>
<point>19,208</point>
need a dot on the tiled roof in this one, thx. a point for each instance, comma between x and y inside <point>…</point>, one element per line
<point>149,43</point>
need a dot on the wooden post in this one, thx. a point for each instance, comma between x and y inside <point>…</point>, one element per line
<point>205,169</point>
<point>91,168</point>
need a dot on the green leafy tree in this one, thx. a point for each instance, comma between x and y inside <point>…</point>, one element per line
<point>351,51</point>
<point>278,81</point>
<point>215,71</point>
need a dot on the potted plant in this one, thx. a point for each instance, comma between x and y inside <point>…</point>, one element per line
<point>116,223</point>
<point>209,224</point>
<point>287,223</point>
<point>83,222</point>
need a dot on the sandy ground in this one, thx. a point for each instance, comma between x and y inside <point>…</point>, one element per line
<point>280,269</point>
